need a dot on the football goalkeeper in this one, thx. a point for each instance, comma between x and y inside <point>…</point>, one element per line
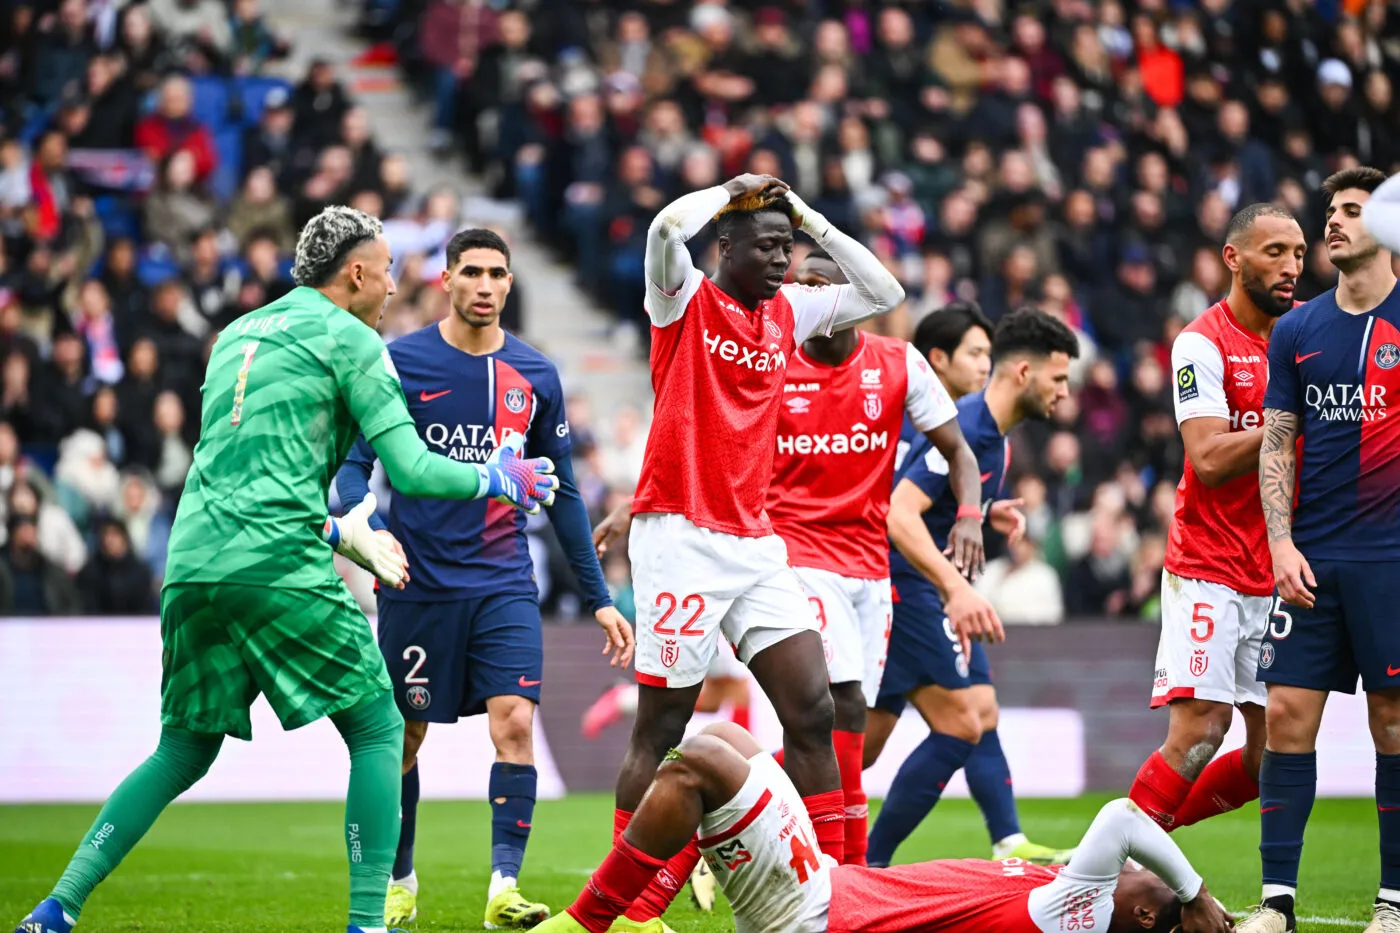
<point>251,602</point>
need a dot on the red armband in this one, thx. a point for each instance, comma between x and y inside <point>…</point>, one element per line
<point>969,511</point>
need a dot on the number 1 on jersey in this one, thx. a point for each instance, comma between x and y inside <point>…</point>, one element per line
<point>240,389</point>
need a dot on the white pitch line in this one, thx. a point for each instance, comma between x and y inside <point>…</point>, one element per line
<point>1314,921</point>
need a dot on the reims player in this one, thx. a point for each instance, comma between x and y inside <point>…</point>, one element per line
<point>1217,590</point>
<point>760,844</point>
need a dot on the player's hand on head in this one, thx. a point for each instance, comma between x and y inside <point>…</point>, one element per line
<point>965,548</point>
<point>1007,519</point>
<point>619,641</point>
<point>524,482</point>
<point>612,527</point>
<point>972,617</point>
<point>741,186</point>
<point>1292,574</point>
<point>1204,914</point>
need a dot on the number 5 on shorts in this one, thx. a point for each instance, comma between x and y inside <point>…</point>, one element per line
<point>1277,632</point>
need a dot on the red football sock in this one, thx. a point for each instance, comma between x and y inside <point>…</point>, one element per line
<point>739,715</point>
<point>613,887</point>
<point>778,757</point>
<point>665,885</point>
<point>1159,790</point>
<point>1223,786</point>
<point>850,749</point>
<point>828,815</point>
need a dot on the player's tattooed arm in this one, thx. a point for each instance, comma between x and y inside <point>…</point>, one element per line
<point>1278,465</point>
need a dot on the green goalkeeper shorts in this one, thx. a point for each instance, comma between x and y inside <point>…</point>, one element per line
<point>309,651</point>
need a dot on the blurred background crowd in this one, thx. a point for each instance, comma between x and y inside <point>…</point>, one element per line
<point>1085,157</point>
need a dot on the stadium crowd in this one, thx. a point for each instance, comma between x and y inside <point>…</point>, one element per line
<point>1083,157</point>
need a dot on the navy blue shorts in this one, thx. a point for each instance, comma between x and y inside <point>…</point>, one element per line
<point>924,651</point>
<point>1350,631</point>
<point>447,659</point>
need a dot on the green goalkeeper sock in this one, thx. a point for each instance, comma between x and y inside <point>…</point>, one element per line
<point>181,758</point>
<point>373,731</point>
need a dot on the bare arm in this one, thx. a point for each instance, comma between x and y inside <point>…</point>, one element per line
<point>1218,454</point>
<point>1278,467</point>
<point>965,538</point>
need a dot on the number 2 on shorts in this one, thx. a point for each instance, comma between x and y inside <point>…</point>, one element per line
<point>250,349</point>
<point>669,601</point>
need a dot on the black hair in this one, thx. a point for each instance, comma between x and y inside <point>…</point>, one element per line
<point>1363,177</point>
<point>818,253</point>
<point>740,213</point>
<point>1244,219</point>
<point>1030,330</point>
<point>475,238</point>
<point>945,328</point>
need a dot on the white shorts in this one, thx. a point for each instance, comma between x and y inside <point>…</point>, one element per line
<point>1209,647</point>
<point>854,617</point>
<point>763,851</point>
<point>692,584</point>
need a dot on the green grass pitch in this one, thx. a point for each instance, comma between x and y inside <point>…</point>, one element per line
<point>262,867</point>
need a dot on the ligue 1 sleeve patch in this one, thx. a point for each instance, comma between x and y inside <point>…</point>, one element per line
<point>1186,388</point>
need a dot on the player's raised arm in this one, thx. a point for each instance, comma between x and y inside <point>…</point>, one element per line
<point>932,411</point>
<point>968,612</point>
<point>872,291</point>
<point>671,275</point>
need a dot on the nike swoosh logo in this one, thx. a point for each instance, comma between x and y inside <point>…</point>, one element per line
<point>1306,356</point>
<point>529,683</point>
<point>1271,809</point>
<point>522,824</point>
<point>1391,671</point>
<point>1387,809</point>
<point>427,396</point>
<point>986,476</point>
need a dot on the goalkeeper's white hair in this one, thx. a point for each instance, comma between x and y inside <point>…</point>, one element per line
<point>327,240</point>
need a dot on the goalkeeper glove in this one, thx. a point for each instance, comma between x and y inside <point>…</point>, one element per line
<point>526,483</point>
<point>352,536</point>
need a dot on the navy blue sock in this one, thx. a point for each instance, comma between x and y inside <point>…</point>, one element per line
<point>989,779</point>
<point>1388,809</point>
<point>1287,786</point>
<point>408,825</point>
<point>512,792</point>
<point>914,792</point>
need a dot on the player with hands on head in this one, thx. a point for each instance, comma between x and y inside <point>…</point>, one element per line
<point>940,622</point>
<point>705,560</point>
<point>463,636</point>
<point>1333,525</point>
<point>759,842</point>
<point>251,601</point>
<point>1217,588</point>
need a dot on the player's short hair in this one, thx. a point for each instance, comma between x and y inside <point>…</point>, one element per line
<point>1168,918</point>
<point>1363,177</point>
<point>475,238</point>
<point>740,213</point>
<point>945,328</point>
<point>1243,221</point>
<point>328,239</point>
<point>817,252</point>
<point>1032,332</point>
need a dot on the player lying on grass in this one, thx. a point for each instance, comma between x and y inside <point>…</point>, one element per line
<point>252,603</point>
<point>758,841</point>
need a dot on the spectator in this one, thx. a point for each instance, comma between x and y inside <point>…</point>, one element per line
<point>29,584</point>
<point>258,208</point>
<point>197,30</point>
<point>178,208</point>
<point>59,540</point>
<point>62,55</point>
<point>1100,581</point>
<point>96,325</point>
<point>110,104</point>
<point>172,128</point>
<point>136,400</point>
<point>252,43</point>
<point>144,51</point>
<point>173,457</point>
<point>115,582</point>
<point>319,103</point>
<point>105,422</point>
<point>1023,589</point>
<point>146,521</point>
<point>269,144</point>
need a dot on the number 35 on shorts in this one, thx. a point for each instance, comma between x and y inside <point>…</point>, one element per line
<point>686,625</point>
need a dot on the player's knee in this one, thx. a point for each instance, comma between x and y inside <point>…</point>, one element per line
<point>696,761</point>
<point>512,732</point>
<point>1384,716</point>
<point>811,721</point>
<point>1291,721</point>
<point>848,705</point>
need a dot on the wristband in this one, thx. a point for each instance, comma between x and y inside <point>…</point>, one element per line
<point>969,511</point>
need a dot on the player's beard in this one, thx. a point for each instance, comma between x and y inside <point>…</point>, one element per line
<point>1263,296</point>
<point>1356,258</point>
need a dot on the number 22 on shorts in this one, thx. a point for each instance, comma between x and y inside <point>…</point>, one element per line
<point>694,601</point>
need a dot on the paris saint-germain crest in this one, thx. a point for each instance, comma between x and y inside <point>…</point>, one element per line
<point>1387,356</point>
<point>873,406</point>
<point>515,401</point>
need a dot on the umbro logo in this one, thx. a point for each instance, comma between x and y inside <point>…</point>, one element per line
<point>1244,377</point>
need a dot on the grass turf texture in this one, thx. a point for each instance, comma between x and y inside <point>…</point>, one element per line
<point>262,867</point>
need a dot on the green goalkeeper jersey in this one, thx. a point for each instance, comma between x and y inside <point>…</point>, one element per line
<point>288,389</point>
